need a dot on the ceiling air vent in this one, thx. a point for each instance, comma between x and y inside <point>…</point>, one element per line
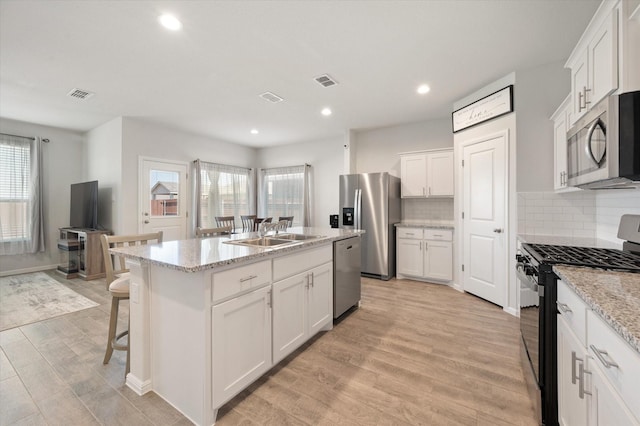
<point>80,94</point>
<point>326,80</point>
<point>271,97</point>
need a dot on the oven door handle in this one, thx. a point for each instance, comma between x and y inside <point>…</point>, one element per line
<point>527,279</point>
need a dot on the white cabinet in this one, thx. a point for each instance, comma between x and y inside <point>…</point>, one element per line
<point>241,343</point>
<point>598,373</point>
<point>413,175</point>
<point>427,174</point>
<point>572,361</point>
<point>302,305</point>
<point>424,253</point>
<point>561,119</point>
<point>594,62</point>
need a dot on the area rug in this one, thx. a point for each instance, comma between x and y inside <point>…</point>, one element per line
<point>28,298</point>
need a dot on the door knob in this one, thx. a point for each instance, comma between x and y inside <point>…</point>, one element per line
<point>146,221</point>
<point>497,231</point>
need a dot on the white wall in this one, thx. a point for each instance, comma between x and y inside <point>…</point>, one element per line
<point>610,206</point>
<point>326,158</point>
<point>62,166</point>
<point>147,139</point>
<point>103,162</point>
<point>378,149</point>
<point>537,94</point>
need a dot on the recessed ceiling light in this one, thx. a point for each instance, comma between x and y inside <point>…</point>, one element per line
<point>170,22</point>
<point>326,112</point>
<point>254,131</point>
<point>422,89</point>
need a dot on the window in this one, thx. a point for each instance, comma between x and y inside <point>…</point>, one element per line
<point>224,191</point>
<point>20,205</point>
<point>284,192</point>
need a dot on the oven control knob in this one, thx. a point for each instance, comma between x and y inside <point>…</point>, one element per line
<point>528,270</point>
<point>519,258</point>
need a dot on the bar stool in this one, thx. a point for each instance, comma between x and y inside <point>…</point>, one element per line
<point>118,284</point>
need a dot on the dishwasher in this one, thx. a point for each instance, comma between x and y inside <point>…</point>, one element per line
<point>346,275</point>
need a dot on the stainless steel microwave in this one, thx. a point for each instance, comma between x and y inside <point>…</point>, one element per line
<point>603,147</point>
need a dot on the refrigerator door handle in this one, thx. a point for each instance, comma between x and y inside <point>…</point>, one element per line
<point>359,209</point>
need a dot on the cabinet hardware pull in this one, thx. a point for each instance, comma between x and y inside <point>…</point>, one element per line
<point>269,298</point>
<point>581,372</point>
<point>497,230</point>
<point>420,245</point>
<point>600,354</point>
<point>564,307</point>
<point>423,191</point>
<point>586,102</point>
<point>429,190</point>
<point>310,279</point>
<point>574,358</point>
<point>437,235</point>
<point>250,277</point>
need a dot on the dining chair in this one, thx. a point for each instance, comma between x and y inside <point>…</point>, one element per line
<point>223,221</point>
<point>259,220</point>
<point>282,225</point>
<point>248,222</point>
<point>211,232</point>
<point>117,278</point>
<point>289,219</point>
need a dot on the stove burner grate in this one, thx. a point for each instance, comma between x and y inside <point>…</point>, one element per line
<point>586,256</point>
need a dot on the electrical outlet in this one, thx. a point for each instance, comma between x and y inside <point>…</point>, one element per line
<point>134,293</point>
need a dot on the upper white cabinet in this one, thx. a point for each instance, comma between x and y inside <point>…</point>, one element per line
<point>594,62</point>
<point>561,119</point>
<point>427,174</point>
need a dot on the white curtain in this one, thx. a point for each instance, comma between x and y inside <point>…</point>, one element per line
<point>223,191</point>
<point>286,191</point>
<point>21,212</point>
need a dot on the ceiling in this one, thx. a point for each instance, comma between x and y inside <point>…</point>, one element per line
<point>206,78</point>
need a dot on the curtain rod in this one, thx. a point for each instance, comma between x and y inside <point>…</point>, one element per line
<point>26,137</point>
<point>224,165</point>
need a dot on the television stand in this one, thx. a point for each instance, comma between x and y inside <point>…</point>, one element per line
<point>81,253</point>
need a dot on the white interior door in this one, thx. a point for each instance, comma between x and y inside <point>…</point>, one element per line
<point>485,240</point>
<point>163,198</point>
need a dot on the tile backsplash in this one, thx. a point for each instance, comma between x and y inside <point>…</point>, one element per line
<point>592,214</point>
<point>425,209</point>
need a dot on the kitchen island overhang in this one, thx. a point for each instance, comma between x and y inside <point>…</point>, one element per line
<point>207,317</point>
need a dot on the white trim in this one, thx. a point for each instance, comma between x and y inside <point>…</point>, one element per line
<point>28,270</point>
<point>138,386</point>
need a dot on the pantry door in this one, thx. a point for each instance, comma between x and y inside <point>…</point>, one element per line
<point>163,198</point>
<point>484,207</point>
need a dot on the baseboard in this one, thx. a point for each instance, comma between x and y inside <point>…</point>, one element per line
<point>138,386</point>
<point>28,270</point>
<point>511,311</point>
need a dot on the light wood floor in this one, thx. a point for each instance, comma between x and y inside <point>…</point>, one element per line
<point>414,353</point>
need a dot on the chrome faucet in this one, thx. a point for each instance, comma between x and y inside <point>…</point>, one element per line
<point>265,227</point>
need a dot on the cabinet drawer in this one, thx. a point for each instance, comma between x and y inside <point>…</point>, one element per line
<point>411,233</point>
<point>573,310</point>
<point>287,266</point>
<point>438,234</point>
<point>625,377</point>
<point>240,279</point>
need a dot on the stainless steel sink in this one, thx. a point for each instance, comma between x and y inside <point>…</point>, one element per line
<point>261,242</point>
<point>297,237</point>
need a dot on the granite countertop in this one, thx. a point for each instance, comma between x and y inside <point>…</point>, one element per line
<point>433,224</point>
<point>560,240</point>
<point>613,295</point>
<point>195,255</point>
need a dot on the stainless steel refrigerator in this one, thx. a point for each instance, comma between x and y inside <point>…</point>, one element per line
<point>371,201</point>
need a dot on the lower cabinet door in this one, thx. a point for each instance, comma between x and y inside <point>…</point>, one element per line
<point>289,315</point>
<point>241,343</point>
<point>409,257</point>
<point>572,409</point>
<point>438,260</point>
<point>320,297</point>
<point>607,408</point>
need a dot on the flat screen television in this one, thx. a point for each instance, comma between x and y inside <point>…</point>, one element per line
<point>84,205</point>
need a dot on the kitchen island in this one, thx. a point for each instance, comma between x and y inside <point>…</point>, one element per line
<point>209,316</point>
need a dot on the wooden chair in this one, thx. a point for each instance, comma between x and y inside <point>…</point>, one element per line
<point>248,222</point>
<point>224,221</point>
<point>212,232</point>
<point>289,220</point>
<point>118,284</point>
<point>259,220</point>
<point>282,225</point>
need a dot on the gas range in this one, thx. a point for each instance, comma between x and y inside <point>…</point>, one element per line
<point>584,256</point>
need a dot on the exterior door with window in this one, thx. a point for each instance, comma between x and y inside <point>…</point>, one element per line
<point>163,198</point>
